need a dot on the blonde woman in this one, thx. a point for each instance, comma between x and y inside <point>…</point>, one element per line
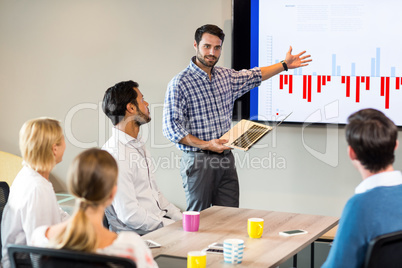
<point>32,201</point>
<point>92,180</point>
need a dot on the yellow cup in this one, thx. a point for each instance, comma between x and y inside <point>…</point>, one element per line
<point>196,259</point>
<point>255,227</point>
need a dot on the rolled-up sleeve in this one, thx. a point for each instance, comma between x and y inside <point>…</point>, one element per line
<point>174,116</point>
<point>245,80</point>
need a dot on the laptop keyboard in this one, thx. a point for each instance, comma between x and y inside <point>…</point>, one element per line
<point>250,136</point>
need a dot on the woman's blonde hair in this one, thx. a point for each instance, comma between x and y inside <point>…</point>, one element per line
<point>91,179</point>
<point>37,137</point>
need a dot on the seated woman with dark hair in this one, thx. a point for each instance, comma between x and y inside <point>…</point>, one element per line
<point>32,201</point>
<point>92,180</point>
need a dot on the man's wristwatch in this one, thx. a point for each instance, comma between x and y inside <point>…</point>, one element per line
<point>285,66</point>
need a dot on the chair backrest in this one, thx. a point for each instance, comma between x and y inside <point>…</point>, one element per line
<point>27,257</point>
<point>10,165</point>
<point>385,251</point>
<point>4,191</point>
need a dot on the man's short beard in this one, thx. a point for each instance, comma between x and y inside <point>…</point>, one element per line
<point>141,118</point>
<point>201,59</point>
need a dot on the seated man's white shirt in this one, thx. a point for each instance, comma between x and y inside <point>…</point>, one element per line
<point>139,205</point>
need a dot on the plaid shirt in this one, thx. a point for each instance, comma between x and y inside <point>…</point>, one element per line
<point>201,107</point>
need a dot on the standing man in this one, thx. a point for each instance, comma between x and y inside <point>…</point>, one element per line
<point>198,111</point>
<point>376,207</point>
<point>139,205</point>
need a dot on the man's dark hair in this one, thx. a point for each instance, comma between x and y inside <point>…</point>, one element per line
<point>211,29</point>
<point>373,137</point>
<point>117,97</point>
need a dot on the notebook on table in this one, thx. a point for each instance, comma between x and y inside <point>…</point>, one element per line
<point>246,133</point>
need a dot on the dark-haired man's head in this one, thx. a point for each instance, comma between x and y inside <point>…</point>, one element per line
<point>125,99</point>
<point>208,40</point>
<point>211,29</point>
<point>373,138</point>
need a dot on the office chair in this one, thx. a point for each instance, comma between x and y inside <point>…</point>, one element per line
<point>10,165</point>
<point>22,256</point>
<point>4,191</point>
<point>385,251</point>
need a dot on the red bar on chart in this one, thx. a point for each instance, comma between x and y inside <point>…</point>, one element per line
<point>348,86</point>
<point>281,81</point>
<point>387,93</point>
<point>304,86</point>
<point>328,78</point>
<point>286,79</point>
<point>309,89</point>
<point>367,82</point>
<point>382,86</point>
<point>343,79</point>
<point>357,88</point>
<point>397,82</point>
<point>319,83</point>
<point>324,80</point>
<point>362,79</point>
<point>290,84</point>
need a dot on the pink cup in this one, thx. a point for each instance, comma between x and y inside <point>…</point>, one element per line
<point>191,221</point>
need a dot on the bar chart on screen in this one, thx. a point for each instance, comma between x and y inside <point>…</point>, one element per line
<point>360,82</point>
<point>355,60</point>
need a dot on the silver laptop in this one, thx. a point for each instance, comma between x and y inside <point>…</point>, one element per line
<point>246,133</point>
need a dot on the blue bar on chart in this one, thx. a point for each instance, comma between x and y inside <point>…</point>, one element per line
<point>372,67</point>
<point>392,71</point>
<point>353,69</point>
<point>377,62</point>
<point>336,69</point>
<point>297,71</point>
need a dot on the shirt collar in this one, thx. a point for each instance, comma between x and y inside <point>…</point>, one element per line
<point>390,178</point>
<point>125,139</point>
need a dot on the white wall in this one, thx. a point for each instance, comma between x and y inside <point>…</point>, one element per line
<point>58,57</point>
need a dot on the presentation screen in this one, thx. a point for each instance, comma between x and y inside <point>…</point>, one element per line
<point>356,49</point>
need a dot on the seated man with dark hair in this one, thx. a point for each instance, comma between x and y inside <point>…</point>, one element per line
<point>139,205</point>
<point>376,207</point>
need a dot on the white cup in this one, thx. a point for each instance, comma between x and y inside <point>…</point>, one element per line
<point>233,250</point>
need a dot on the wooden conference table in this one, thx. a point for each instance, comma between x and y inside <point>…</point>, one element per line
<point>219,223</point>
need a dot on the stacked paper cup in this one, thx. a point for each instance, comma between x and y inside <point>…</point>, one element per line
<point>233,250</point>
